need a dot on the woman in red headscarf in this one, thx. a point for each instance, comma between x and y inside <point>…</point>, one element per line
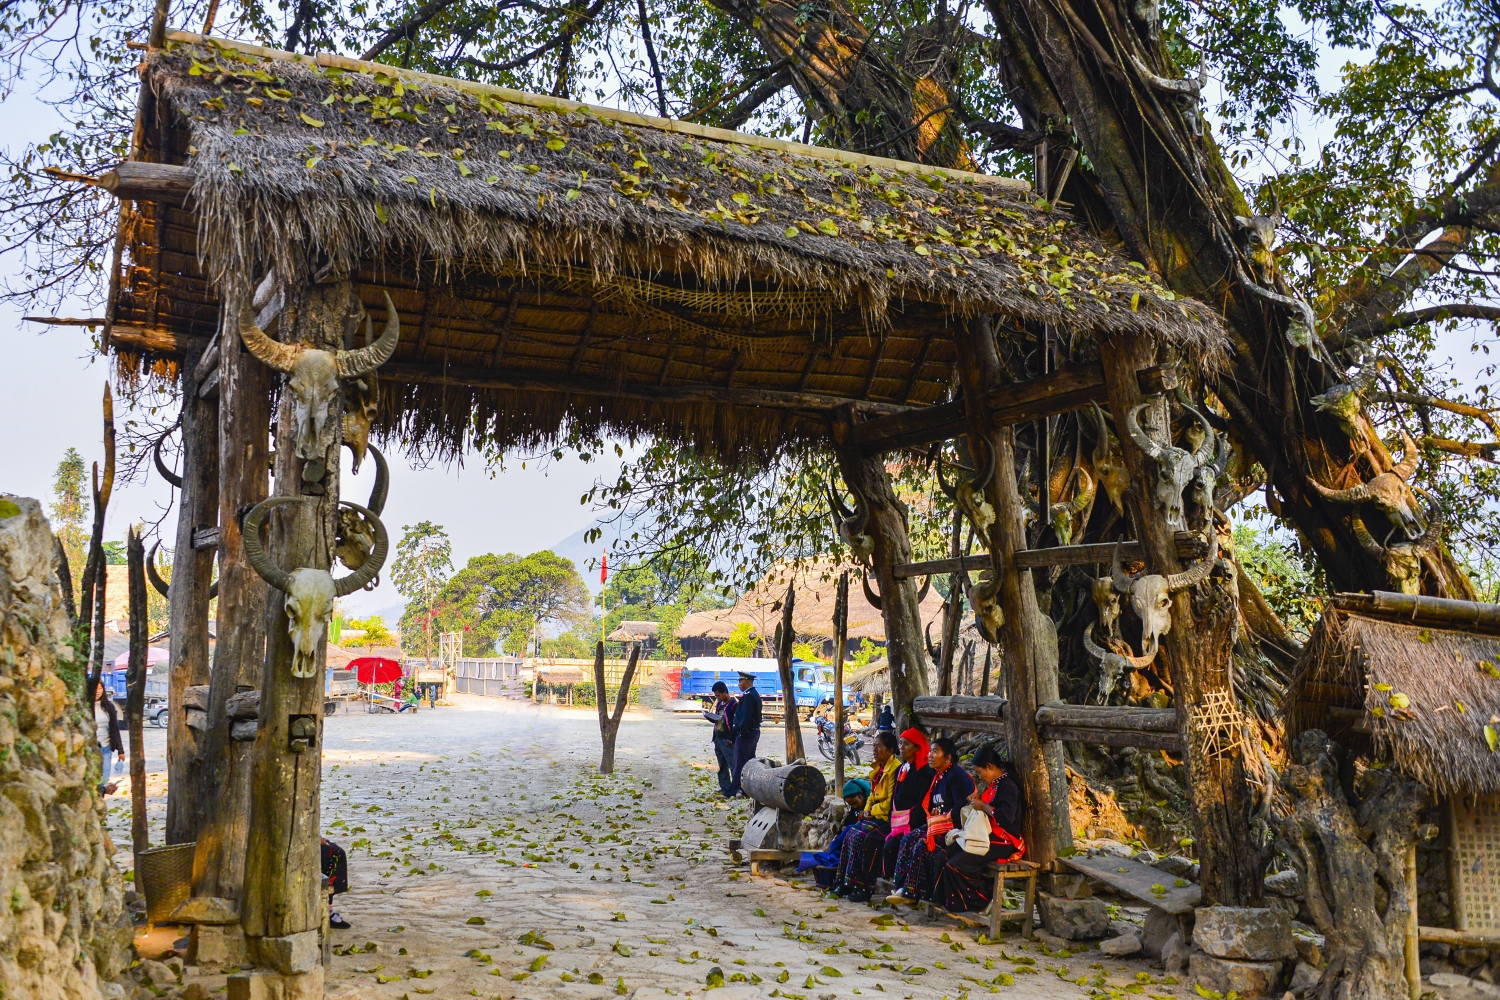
<point>913,779</point>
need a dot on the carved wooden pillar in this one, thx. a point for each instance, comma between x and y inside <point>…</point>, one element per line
<point>1198,650</point>
<point>906,648</point>
<point>979,368</point>
<point>244,449</point>
<point>282,907</point>
<point>192,574</point>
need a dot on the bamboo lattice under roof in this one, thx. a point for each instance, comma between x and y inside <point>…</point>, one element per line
<point>555,264</point>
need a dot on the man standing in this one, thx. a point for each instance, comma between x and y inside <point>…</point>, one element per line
<point>746,728</point>
<point>723,719</point>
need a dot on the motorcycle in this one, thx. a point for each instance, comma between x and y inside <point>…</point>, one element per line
<point>852,742</point>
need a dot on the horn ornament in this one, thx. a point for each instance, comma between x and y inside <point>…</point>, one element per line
<point>1142,440</point>
<point>271,353</point>
<point>255,552</point>
<point>870,595</point>
<point>361,578</point>
<point>161,466</point>
<point>1198,572</point>
<point>371,357</point>
<point>163,587</point>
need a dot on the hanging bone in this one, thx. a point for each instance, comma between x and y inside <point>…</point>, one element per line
<point>853,525</point>
<point>163,587</point>
<point>984,598</point>
<point>1112,663</point>
<point>968,493</point>
<point>356,535</point>
<point>1151,595</point>
<point>1403,562</point>
<point>1109,464</point>
<point>361,403</point>
<point>310,592</point>
<point>1345,401</point>
<point>315,374</point>
<point>1174,466</point>
<point>1388,491</point>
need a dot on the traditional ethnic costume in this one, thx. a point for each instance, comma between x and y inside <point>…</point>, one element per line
<point>962,886</point>
<point>829,857</point>
<point>859,863</point>
<point>922,852</point>
<point>908,811</point>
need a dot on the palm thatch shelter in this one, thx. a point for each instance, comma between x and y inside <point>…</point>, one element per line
<point>1414,682</point>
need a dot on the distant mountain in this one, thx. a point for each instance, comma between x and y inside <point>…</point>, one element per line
<point>585,555</point>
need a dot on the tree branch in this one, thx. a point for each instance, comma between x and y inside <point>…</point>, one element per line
<point>408,27</point>
<point>661,89</point>
<point>1451,310</point>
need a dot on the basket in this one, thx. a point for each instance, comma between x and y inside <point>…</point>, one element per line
<point>164,876</point>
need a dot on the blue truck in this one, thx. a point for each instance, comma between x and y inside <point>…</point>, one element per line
<point>812,685</point>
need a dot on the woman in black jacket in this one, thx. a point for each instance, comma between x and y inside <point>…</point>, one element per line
<point>913,781</point>
<point>922,852</point>
<point>962,885</point>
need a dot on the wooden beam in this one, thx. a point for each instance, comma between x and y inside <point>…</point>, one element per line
<point>1114,738</point>
<point>505,326</point>
<point>1189,546</point>
<point>140,181</point>
<point>158,340</point>
<point>916,369</point>
<point>1155,720</point>
<point>1458,939</point>
<point>874,367</point>
<point>484,378</point>
<point>961,712</point>
<point>205,538</point>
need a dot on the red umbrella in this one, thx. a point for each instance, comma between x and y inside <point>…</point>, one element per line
<point>375,670</point>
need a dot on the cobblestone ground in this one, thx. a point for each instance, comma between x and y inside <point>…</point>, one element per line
<point>488,858</point>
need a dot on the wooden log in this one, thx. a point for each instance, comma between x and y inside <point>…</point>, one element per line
<point>1142,738</point>
<point>960,706</point>
<point>135,690</point>
<point>188,598</point>
<point>840,640</point>
<point>794,788</point>
<point>149,340</point>
<point>786,637</point>
<point>1458,939</point>
<point>205,539</point>
<point>1419,609</point>
<point>138,180</point>
<point>1154,720</point>
<point>1189,546</point>
<point>244,447</point>
<point>1411,944</point>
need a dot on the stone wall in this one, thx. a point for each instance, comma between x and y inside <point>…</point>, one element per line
<point>63,933</point>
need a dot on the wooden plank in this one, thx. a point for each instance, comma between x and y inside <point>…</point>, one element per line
<point>140,181</point>
<point>959,706</point>
<point>1458,939</point>
<point>206,538</point>
<point>1132,878</point>
<point>1419,609</point>
<point>1113,738</point>
<point>1157,720</point>
<point>151,340</point>
<point>1189,546</point>
<point>963,723</point>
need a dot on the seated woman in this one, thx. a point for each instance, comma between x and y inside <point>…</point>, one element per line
<point>856,795</point>
<point>913,779</point>
<point>923,852</point>
<point>860,860</point>
<point>961,884</point>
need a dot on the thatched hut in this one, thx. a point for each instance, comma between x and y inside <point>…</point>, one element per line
<point>1414,682</point>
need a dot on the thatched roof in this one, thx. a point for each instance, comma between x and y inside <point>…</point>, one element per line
<point>812,612</point>
<point>554,262</point>
<point>1383,676</point>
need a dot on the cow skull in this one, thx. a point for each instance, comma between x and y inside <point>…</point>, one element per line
<point>853,525</point>
<point>1112,665</point>
<point>315,374</point>
<point>1109,464</point>
<point>1345,401</point>
<point>968,494</point>
<point>310,592</point>
<point>1151,595</point>
<point>984,598</point>
<point>1403,562</point>
<point>1388,491</point>
<point>356,535</point>
<point>361,404</point>
<point>1175,466</point>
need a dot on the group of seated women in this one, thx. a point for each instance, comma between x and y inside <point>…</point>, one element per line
<point>911,828</point>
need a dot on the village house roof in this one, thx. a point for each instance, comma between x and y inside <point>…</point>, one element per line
<point>559,265</point>
<point>1408,679</point>
<point>633,631</point>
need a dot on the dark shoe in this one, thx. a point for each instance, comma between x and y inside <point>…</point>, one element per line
<point>859,896</point>
<point>338,923</point>
<point>841,890</point>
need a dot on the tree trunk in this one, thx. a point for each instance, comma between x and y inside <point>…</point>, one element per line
<point>192,573</point>
<point>89,630</point>
<point>979,369</point>
<point>135,696</point>
<point>1199,650</point>
<point>609,722</point>
<point>244,416</point>
<point>840,640</point>
<point>786,637</point>
<point>282,864</point>
<point>906,648</point>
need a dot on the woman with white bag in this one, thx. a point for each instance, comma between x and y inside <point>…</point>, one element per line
<point>991,832</point>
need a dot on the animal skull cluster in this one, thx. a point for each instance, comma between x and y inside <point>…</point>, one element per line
<point>310,592</point>
<point>1112,663</point>
<point>1150,595</point>
<point>1176,468</point>
<point>315,374</point>
<point>1389,491</point>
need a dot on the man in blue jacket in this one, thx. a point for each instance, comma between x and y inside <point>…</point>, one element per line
<point>746,728</point>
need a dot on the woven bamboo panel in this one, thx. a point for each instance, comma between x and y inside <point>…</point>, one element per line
<point>1476,840</point>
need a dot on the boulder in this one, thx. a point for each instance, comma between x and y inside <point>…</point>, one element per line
<point>196,696</point>
<point>1118,927</point>
<point>1074,919</point>
<point>207,910</point>
<point>1174,953</point>
<point>1448,979</point>
<point>1287,883</point>
<point>1244,933</point>
<point>1304,977</point>
<point>1470,958</point>
<point>1282,904</point>
<point>243,705</point>
<point>1309,949</point>
<point>1112,847</point>
<point>1176,865</point>
<point>1119,947</point>
<point>1159,926</point>
<point>1225,975</point>
<point>159,973</point>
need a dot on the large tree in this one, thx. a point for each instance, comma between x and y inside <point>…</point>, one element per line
<point>503,599</point>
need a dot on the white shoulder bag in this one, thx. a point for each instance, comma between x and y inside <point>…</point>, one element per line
<point>976,835</point>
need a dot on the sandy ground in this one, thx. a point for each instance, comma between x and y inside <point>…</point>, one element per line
<point>489,858</point>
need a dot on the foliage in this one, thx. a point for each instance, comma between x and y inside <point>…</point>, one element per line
<point>419,569</point>
<point>375,633</point>
<point>114,554</point>
<point>865,653</point>
<point>1286,574</point>
<point>574,644</point>
<point>636,592</point>
<point>741,641</point>
<point>499,600</point>
<point>804,651</point>
<point>70,509</point>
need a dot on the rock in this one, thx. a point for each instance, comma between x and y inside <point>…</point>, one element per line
<point>1448,979</point>
<point>196,696</point>
<point>1147,857</point>
<point>1112,847</point>
<point>207,910</point>
<point>1287,883</point>
<point>1119,947</point>
<point>196,719</point>
<point>1159,926</point>
<point>1118,927</point>
<point>216,946</point>
<point>265,984</point>
<point>195,991</point>
<point>1470,958</point>
<point>1176,864</point>
<point>159,973</point>
<point>1174,953</point>
<point>1309,949</point>
<point>1052,941</point>
<point>1243,933</point>
<point>243,730</point>
<point>1281,904</point>
<point>290,954</point>
<point>1304,977</point>
<point>1074,919</point>
<point>244,705</point>
<point>1223,975</point>
<point>1438,949</point>
<point>1486,973</point>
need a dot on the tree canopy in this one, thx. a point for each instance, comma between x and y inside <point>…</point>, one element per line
<point>500,600</point>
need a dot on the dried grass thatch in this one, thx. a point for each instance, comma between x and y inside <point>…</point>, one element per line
<point>1412,693</point>
<point>556,264</point>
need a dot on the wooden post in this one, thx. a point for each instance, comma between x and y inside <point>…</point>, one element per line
<point>244,448</point>
<point>1198,651</point>
<point>192,573</point>
<point>1412,943</point>
<point>609,722</point>
<point>135,694</point>
<point>952,611</point>
<point>840,640</point>
<point>90,626</point>
<point>905,646</point>
<point>979,368</point>
<point>786,637</point>
<point>282,898</point>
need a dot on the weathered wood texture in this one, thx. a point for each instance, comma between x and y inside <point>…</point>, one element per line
<point>1198,652</point>
<point>609,722</point>
<point>1110,725</point>
<point>1419,609</point>
<point>1189,546</point>
<point>840,640</point>
<point>135,692</point>
<point>141,181</point>
<point>188,600</point>
<point>786,638</point>
<point>244,450</point>
<point>282,874</point>
<point>963,713</point>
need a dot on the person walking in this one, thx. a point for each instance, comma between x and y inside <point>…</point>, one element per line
<point>723,719</point>
<point>747,717</point>
<point>112,747</point>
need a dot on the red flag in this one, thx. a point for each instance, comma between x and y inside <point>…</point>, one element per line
<point>604,568</point>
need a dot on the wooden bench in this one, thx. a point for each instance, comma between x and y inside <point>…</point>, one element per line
<point>1004,872</point>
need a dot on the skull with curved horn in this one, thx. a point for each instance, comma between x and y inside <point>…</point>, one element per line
<point>968,493</point>
<point>1109,464</point>
<point>852,524</point>
<point>1175,466</point>
<point>315,374</point>
<point>1345,401</point>
<point>1069,512</point>
<point>1150,595</point>
<point>1403,562</point>
<point>1388,491</point>
<point>1112,665</point>
<point>361,404</point>
<point>310,592</point>
<point>153,575</point>
<point>356,535</point>
<point>984,598</point>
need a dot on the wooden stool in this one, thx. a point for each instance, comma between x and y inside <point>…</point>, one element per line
<point>1005,871</point>
<point>323,928</point>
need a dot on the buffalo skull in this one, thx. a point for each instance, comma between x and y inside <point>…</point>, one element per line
<point>1402,562</point>
<point>1175,467</point>
<point>1150,596</point>
<point>1388,491</point>
<point>356,534</point>
<point>853,525</point>
<point>310,592</point>
<point>315,374</point>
